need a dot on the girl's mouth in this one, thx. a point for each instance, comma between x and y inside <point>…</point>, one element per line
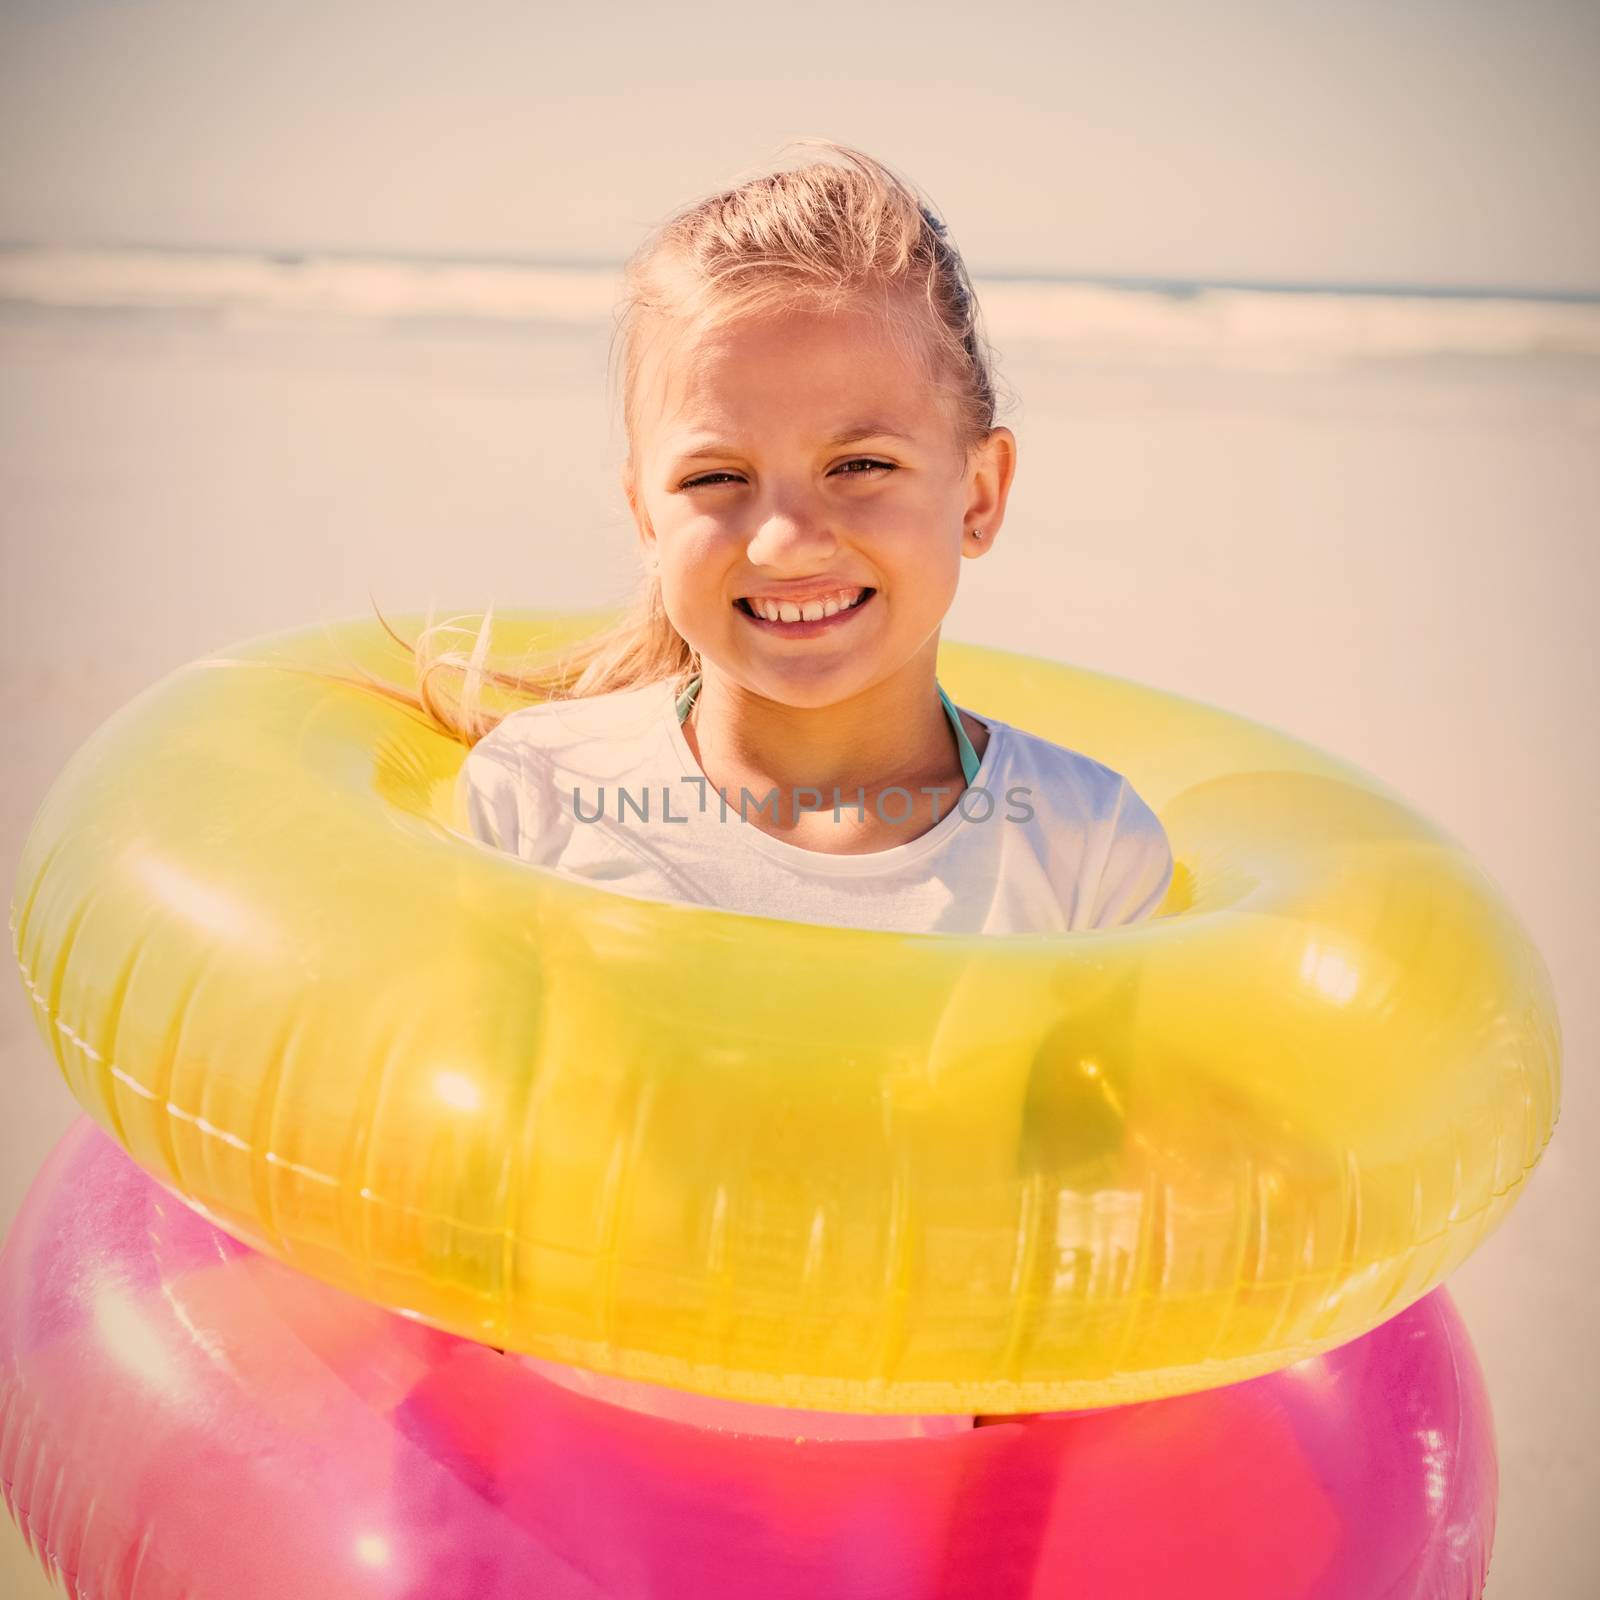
<point>800,628</point>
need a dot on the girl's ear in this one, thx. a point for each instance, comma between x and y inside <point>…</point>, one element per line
<point>641,518</point>
<point>991,478</point>
<point>631,491</point>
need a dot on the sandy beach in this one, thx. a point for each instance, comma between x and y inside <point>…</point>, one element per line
<point>1378,539</point>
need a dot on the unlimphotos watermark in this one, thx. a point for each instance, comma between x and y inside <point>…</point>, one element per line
<point>974,804</point>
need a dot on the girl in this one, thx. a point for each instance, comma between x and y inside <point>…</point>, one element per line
<point>809,411</point>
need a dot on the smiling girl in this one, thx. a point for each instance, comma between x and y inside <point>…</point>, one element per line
<point>812,455</point>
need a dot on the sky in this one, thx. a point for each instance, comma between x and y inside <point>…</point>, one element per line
<point>1446,143</point>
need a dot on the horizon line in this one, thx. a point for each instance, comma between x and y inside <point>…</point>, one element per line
<point>1144,282</point>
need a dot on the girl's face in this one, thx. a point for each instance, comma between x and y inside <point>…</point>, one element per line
<point>806,458</point>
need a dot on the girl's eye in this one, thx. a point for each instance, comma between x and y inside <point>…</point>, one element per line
<point>862,461</point>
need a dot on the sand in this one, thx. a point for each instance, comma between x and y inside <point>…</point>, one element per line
<point>1392,557</point>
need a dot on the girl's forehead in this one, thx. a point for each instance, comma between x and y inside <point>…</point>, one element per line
<point>706,376</point>
<point>799,333</point>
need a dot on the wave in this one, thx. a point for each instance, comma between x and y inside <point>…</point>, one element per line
<point>1168,323</point>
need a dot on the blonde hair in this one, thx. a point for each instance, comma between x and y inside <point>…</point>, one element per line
<point>827,234</point>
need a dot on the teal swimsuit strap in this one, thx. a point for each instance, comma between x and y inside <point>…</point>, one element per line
<point>686,699</point>
<point>969,756</point>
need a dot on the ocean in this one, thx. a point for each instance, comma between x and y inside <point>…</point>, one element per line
<point>1368,517</point>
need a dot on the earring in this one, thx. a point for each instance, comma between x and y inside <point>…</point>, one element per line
<point>977,533</point>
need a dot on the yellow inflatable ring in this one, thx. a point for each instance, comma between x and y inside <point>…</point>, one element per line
<point>825,1167</point>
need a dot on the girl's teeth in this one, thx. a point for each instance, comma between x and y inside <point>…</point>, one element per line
<point>809,611</point>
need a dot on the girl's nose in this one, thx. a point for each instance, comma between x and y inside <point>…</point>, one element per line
<point>792,536</point>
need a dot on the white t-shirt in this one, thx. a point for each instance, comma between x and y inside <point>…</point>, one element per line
<point>1044,840</point>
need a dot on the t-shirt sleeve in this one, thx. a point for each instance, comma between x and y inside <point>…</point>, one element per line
<point>508,798</point>
<point>488,794</point>
<point>1138,867</point>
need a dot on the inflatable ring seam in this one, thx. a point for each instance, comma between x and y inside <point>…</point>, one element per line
<point>1457,1217</point>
